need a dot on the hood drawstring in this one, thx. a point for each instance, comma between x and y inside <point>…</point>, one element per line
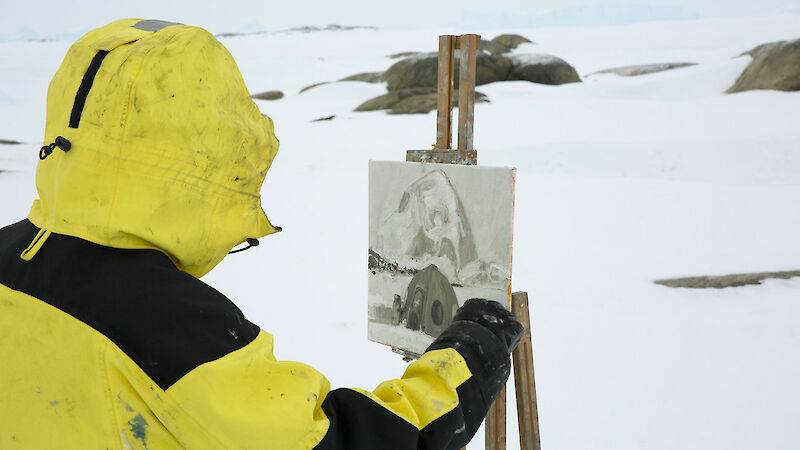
<point>61,142</point>
<point>35,245</point>
<point>251,242</point>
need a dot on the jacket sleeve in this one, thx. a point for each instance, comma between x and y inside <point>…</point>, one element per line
<point>439,403</point>
<point>248,399</point>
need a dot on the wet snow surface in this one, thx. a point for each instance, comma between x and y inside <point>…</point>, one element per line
<point>620,181</point>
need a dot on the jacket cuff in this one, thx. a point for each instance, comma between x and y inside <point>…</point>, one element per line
<point>485,354</point>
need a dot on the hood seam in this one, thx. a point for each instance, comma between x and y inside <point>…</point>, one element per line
<point>123,133</point>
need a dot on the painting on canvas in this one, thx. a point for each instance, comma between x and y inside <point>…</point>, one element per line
<point>439,234</point>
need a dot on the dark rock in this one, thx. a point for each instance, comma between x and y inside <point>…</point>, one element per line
<point>386,101</point>
<point>411,101</point>
<point>9,142</point>
<point>324,118</point>
<point>367,77</point>
<point>489,68</point>
<point>723,281</point>
<point>542,69</point>
<point>313,86</point>
<point>775,66</point>
<point>511,41</point>
<point>268,95</point>
<point>421,71</point>
<point>643,69</point>
<point>418,71</point>
<point>500,45</point>
<point>493,47</point>
<point>417,104</point>
<point>758,48</point>
<point>403,54</point>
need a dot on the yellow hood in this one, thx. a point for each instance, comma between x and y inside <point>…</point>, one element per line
<point>168,151</point>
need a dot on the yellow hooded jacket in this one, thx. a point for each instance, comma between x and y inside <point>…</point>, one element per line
<point>109,339</point>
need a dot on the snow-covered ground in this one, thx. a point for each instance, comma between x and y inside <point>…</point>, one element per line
<point>620,181</point>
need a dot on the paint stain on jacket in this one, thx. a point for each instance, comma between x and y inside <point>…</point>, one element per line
<point>139,428</point>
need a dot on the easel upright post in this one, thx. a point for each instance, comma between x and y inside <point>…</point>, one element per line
<point>495,431</point>
<point>525,384</point>
<point>442,152</point>
<point>444,116</point>
<point>468,46</point>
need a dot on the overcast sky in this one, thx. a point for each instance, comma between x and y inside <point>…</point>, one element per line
<point>49,17</point>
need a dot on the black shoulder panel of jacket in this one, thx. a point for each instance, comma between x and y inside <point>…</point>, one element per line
<point>165,320</point>
<point>358,423</point>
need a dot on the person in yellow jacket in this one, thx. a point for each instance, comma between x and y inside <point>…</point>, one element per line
<point>150,174</point>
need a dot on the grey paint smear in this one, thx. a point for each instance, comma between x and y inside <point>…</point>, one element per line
<point>723,281</point>
<point>139,428</point>
<point>434,199</point>
<point>153,25</point>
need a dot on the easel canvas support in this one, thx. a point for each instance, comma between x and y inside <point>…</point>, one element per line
<point>525,386</point>
<point>442,152</point>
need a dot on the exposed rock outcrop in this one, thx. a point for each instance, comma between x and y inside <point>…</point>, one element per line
<point>511,41</point>
<point>493,47</point>
<point>500,45</point>
<point>403,54</point>
<point>412,81</point>
<point>388,100</point>
<point>775,66</point>
<point>410,101</point>
<point>421,71</point>
<point>724,281</point>
<point>543,69</point>
<point>643,69</point>
<point>416,71</point>
<point>312,86</point>
<point>268,95</point>
<point>366,77</point>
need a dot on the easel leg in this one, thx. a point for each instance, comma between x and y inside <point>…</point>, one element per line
<point>495,431</point>
<point>468,45</point>
<point>527,411</point>
<point>444,116</point>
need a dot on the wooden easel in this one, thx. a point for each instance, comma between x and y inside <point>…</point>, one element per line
<point>525,385</point>
<point>442,153</point>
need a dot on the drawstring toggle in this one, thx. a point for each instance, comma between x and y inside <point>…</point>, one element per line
<point>61,142</point>
<point>251,242</point>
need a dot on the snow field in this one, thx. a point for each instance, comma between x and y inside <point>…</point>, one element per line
<point>620,181</point>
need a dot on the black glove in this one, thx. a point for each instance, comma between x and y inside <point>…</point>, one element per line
<point>484,333</point>
<point>493,316</point>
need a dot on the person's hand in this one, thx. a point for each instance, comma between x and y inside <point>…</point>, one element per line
<point>493,316</point>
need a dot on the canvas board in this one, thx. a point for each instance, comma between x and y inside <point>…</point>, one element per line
<point>439,234</point>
